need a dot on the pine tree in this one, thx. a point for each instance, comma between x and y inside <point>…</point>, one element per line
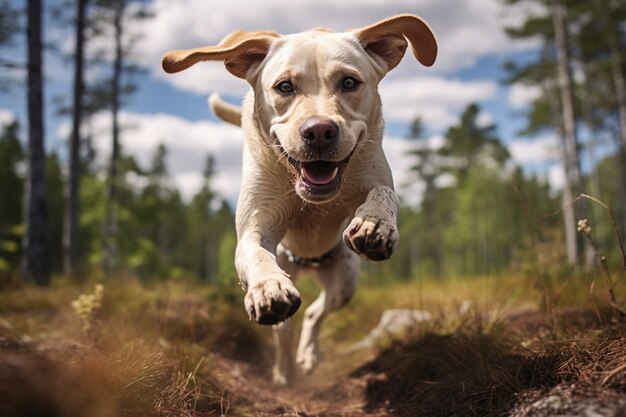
<point>555,109</point>
<point>11,209</point>
<point>71,233</point>
<point>35,256</point>
<point>110,220</point>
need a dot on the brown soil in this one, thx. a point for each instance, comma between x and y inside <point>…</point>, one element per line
<point>467,372</point>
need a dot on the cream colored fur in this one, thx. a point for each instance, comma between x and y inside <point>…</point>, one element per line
<point>280,211</point>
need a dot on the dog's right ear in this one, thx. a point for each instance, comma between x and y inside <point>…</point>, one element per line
<point>239,51</point>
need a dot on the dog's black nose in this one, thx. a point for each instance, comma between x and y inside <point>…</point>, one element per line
<point>319,133</point>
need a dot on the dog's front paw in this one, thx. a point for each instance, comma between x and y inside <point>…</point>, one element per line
<point>372,237</point>
<point>272,300</point>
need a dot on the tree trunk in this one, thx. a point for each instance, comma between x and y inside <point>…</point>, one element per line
<point>110,221</point>
<point>594,182</point>
<point>35,257</point>
<point>569,217</point>
<point>620,94</point>
<point>71,235</point>
<point>570,135</point>
<point>211,256</point>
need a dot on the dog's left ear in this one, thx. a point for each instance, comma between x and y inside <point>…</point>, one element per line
<point>387,39</point>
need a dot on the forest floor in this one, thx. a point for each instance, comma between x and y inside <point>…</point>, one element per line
<point>177,349</point>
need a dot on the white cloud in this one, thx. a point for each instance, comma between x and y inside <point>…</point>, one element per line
<point>206,78</point>
<point>407,186</point>
<point>188,145</point>
<point>465,30</point>
<point>396,150</point>
<point>520,95</point>
<point>556,177</point>
<point>539,150</point>
<point>445,180</point>
<point>190,182</point>
<point>7,117</point>
<point>437,100</point>
<point>484,119</point>
<point>541,156</point>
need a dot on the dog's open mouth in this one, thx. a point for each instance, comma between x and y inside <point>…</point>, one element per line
<point>319,172</point>
<point>318,181</point>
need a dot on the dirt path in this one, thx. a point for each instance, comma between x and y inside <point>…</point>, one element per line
<point>463,373</point>
<point>312,396</point>
<point>448,375</point>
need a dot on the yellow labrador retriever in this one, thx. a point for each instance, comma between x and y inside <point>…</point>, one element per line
<point>317,191</point>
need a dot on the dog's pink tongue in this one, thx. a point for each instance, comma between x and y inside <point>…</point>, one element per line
<point>319,173</point>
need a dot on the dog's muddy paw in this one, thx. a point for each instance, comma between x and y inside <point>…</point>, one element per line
<point>272,300</point>
<point>374,238</point>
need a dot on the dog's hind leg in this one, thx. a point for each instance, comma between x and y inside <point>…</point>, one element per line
<point>283,371</point>
<point>339,279</point>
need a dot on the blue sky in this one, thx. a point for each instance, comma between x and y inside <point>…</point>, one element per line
<point>172,109</point>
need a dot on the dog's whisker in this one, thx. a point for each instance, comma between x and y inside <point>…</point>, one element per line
<point>357,154</point>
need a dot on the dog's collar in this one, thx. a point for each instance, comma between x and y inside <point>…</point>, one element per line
<point>316,262</point>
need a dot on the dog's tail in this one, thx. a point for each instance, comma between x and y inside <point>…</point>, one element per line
<point>225,111</point>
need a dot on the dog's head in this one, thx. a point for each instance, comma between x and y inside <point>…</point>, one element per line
<point>316,97</point>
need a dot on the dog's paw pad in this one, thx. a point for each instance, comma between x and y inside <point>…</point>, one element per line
<point>279,311</point>
<point>374,238</point>
<point>272,301</point>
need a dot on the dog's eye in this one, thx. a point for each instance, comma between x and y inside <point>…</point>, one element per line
<point>284,87</point>
<point>349,83</point>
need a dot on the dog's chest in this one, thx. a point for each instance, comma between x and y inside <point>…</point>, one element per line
<point>315,230</point>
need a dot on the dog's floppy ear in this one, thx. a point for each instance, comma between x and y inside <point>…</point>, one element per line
<point>387,39</point>
<point>239,51</point>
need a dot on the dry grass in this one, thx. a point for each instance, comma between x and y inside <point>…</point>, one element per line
<point>487,371</point>
<point>151,351</point>
<point>183,350</point>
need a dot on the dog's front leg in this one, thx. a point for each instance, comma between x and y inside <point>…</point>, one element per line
<point>271,296</point>
<point>373,231</point>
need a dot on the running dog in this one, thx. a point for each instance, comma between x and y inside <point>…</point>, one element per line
<point>317,192</point>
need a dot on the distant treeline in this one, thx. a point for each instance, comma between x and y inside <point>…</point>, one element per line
<point>477,212</point>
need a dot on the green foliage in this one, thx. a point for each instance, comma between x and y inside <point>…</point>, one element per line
<point>11,203</point>
<point>12,174</point>
<point>476,223</point>
<point>54,208</point>
<point>486,225</point>
<point>160,236</point>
